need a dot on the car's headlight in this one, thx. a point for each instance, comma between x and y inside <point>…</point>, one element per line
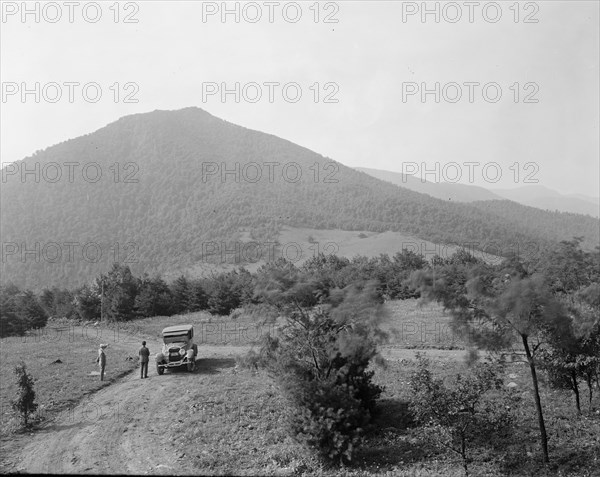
<point>182,352</point>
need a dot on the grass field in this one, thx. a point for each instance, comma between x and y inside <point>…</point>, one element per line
<point>61,384</point>
<point>299,244</point>
<point>234,422</point>
<point>241,329</point>
<point>411,325</point>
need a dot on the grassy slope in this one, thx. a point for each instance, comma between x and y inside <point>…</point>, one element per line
<point>415,326</point>
<point>294,244</point>
<point>61,385</point>
<point>234,422</point>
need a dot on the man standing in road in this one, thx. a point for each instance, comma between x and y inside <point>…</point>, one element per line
<point>101,360</point>
<point>144,354</point>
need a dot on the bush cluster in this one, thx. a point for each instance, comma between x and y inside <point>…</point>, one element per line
<point>459,414</point>
<point>320,360</point>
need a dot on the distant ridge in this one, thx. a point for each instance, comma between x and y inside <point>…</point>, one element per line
<point>531,195</point>
<point>548,199</point>
<point>442,190</point>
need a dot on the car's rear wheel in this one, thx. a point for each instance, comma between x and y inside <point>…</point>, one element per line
<point>159,369</point>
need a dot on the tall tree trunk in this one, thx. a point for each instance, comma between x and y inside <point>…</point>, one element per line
<point>575,388</point>
<point>588,379</point>
<point>538,403</point>
<point>463,453</point>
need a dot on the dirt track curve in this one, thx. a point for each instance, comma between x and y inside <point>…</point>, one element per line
<point>117,430</point>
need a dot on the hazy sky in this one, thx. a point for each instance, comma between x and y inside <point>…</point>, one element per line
<point>375,61</point>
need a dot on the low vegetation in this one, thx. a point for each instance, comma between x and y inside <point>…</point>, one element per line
<point>459,415</point>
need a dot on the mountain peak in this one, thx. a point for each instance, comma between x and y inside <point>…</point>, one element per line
<point>162,114</point>
<point>149,201</point>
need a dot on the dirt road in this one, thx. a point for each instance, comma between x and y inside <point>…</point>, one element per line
<point>118,430</point>
<point>124,427</point>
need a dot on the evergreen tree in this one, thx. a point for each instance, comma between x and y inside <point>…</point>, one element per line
<point>24,403</point>
<point>88,302</point>
<point>120,290</point>
<point>198,299</point>
<point>154,297</point>
<point>180,290</point>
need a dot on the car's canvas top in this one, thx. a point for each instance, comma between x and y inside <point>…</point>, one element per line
<point>175,330</point>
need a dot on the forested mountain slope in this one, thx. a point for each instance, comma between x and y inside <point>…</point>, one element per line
<point>155,203</point>
<point>552,225</point>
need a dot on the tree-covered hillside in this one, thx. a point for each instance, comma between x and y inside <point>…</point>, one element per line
<point>161,196</point>
<point>553,225</point>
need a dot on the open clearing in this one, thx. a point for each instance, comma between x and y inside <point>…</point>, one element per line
<point>299,244</point>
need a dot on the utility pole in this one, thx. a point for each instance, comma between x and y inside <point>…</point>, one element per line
<point>102,300</point>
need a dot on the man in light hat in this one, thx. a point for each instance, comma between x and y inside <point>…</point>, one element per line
<point>101,360</point>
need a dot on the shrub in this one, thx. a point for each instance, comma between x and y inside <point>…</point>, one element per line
<point>320,359</point>
<point>250,360</point>
<point>328,418</point>
<point>456,413</point>
<point>24,403</point>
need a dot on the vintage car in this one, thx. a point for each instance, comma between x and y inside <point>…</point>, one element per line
<point>178,348</point>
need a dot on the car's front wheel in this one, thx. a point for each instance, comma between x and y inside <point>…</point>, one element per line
<point>191,366</point>
<point>159,369</point>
